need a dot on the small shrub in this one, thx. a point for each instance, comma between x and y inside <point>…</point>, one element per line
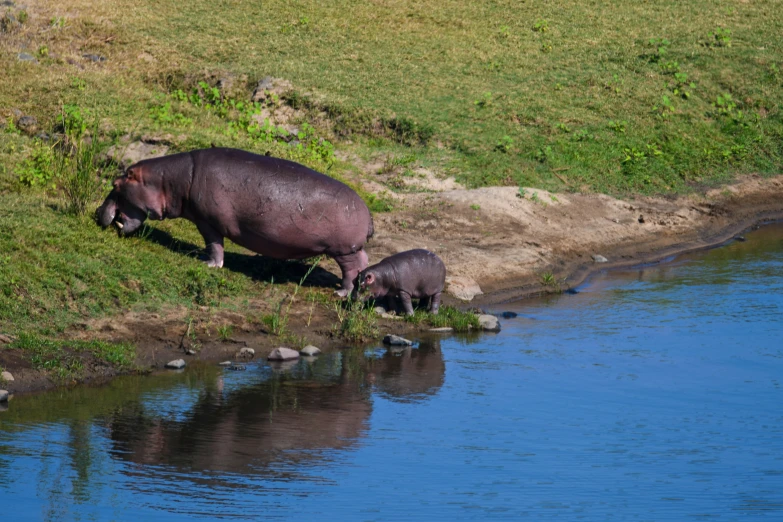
<point>541,26</point>
<point>225,331</point>
<point>355,322</point>
<point>543,154</point>
<point>39,169</point>
<point>618,126</point>
<point>550,282</point>
<point>661,46</point>
<point>485,100</point>
<point>720,37</point>
<point>504,144</point>
<point>454,318</point>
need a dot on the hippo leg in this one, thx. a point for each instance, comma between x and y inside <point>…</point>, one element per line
<point>214,245</point>
<point>406,302</point>
<point>435,303</point>
<point>351,265</point>
<point>392,304</point>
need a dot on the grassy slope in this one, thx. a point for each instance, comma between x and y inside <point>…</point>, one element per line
<point>553,93</point>
<point>433,61</point>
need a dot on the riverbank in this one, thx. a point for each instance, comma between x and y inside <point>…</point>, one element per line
<point>498,139</point>
<point>513,244</point>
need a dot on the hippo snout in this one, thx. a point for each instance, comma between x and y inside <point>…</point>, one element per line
<point>106,213</point>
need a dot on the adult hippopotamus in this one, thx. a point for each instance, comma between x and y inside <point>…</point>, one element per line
<point>272,206</point>
<point>413,274</point>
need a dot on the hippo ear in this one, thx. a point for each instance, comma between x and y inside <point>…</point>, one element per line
<point>369,278</point>
<point>133,174</point>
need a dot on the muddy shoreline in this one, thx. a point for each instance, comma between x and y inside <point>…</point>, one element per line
<point>502,241</point>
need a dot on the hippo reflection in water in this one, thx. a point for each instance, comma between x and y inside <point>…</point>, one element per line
<point>270,427</point>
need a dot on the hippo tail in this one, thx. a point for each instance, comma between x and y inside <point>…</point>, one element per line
<point>370,229</point>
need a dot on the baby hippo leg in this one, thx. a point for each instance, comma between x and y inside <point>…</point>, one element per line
<point>405,297</point>
<point>392,304</point>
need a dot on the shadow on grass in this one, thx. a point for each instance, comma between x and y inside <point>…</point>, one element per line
<point>257,267</point>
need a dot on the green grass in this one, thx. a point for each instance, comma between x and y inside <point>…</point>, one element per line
<point>56,268</point>
<point>64,360</point>
<point>472,74</point>
<point>450,316</point>
<point>355,321</point>
<point>621,98</point>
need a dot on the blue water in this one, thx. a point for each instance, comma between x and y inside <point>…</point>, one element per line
<point>652,394</point>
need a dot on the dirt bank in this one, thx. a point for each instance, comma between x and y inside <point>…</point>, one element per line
<point>503,238</point>
<point>506,239</point>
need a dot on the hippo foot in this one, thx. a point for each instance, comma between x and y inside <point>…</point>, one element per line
<point>342,293</point>
<point>214,264</point>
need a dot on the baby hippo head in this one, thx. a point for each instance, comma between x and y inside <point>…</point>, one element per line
<point>136,195</point>
<point>370,285</point>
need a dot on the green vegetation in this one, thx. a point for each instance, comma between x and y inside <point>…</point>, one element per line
<point>64,360</point>
<point>355,321</point>
<point>654,97</point>
<point>449,316</point>
<point>551,283</point>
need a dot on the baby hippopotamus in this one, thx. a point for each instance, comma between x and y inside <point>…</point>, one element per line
<point>413,274</point>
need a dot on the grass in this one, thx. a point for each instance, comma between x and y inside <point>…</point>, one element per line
<point>64,360</point>
<point>396,66</point>
<point>450,316</point>
<point>355,321</point>
<point>620,98</point>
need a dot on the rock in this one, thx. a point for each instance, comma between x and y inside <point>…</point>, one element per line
<point>127,155</point>
<point>489,323</point>
<point>95,58</point>
<point>225,363</point>
<point>191,352</point>
<point>6,376</point>
<point>7,339</point>
<point>247,352</point>
<point>641,218</point>
<point>396,340</point>
<point>442,329</point>
<point>283,354</point>
<point>237,367</point>
<point>3,123</point>
<point>28,125</point>
<point>599,258</point>
<point>3,396</point>
<point>177,364</point>
<point>42,136</point>
<point>7,3</point>
<point>508,315</point>
<point>269,87</point>
<point>391,316</point>
<point>741,238</point>
<point>26,57</point>
<point>9,23</point>
<point>310,350</point>
<point>379,310</point>
<point>463,288</point>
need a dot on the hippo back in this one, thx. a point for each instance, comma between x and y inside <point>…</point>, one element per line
<point>276,207</point>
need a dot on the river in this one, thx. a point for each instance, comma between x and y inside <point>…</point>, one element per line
<point>648,394</point>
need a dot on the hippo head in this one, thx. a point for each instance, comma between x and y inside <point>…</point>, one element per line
<point>136,195</point>
<point>370,285</point>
